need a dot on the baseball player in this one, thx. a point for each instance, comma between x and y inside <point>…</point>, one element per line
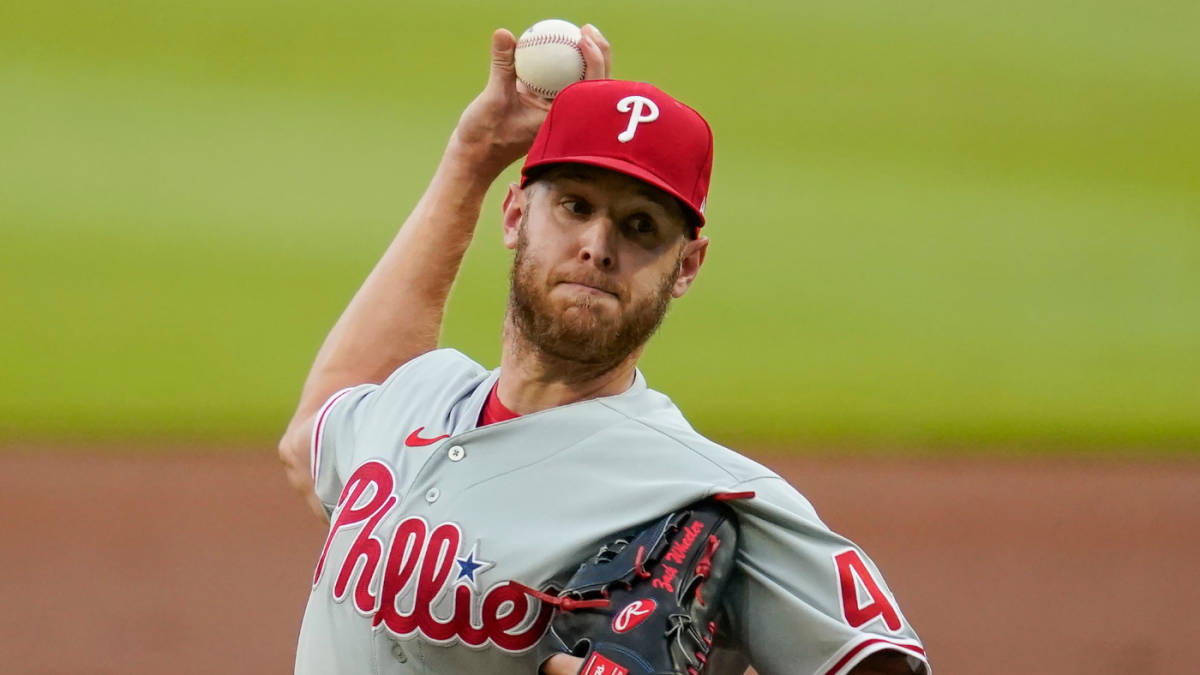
<point>457,495</point>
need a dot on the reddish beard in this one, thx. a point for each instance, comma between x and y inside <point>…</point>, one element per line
<point>581,333</point>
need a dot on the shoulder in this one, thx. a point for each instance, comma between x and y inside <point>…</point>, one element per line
<point>434,374</point>
<point>656,417</point>
<point>440,364</point>
<point>437,380</point>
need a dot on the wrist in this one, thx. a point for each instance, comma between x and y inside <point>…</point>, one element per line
<point>483,160</point>
<point>562,664</point>
<point>464,173</point>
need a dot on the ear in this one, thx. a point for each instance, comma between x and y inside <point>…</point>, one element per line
<point>689,265</point>
<point>513,208</point>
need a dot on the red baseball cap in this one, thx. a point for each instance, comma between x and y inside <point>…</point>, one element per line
<point>631,127</point>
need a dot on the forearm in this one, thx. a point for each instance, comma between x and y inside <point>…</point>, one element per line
<point>397,313</point>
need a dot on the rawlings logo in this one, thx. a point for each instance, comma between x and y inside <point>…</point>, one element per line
<point>633,614</point>
<point>397,584</point>
<point>641,109</point>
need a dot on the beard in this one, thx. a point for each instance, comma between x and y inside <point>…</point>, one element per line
<point>581,336</point>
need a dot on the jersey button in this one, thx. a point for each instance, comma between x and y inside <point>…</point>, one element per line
<point>456,453</point>
<point>398,652</point>
<point>432,494</point>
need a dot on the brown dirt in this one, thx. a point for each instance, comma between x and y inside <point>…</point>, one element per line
<point>199,562</point>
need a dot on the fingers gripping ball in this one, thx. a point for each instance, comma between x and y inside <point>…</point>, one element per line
<point>648,605</point>
<point>548,57</point>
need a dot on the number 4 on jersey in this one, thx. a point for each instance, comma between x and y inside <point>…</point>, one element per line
<point>853,575</point>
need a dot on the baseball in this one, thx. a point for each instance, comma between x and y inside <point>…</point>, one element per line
<point>548,57</point>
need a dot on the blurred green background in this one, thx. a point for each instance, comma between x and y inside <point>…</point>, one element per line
<point>934,224</point>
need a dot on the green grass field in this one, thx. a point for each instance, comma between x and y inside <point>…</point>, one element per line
<point>945,225</point>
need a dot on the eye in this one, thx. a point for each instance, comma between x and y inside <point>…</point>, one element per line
<point>641,224</point>
<point>577,206</point>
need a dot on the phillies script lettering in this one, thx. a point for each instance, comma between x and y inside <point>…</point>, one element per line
<point>677,554</point>
<point>417,565</point>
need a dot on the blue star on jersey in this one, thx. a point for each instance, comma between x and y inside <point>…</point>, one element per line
<point>469,566</point>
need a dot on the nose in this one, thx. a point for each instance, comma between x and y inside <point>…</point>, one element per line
<point>596,243</point>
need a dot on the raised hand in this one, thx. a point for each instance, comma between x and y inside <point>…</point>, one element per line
<point>498,127</point>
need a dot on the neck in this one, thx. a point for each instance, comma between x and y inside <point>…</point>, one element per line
<point>531,380</point>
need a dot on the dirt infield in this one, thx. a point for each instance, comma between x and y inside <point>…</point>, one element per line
<point>200,562</point>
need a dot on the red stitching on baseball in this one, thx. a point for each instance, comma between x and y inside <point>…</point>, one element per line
<point>548,39</point>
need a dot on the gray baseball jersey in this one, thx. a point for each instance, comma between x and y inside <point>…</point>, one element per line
<point>437,523</point>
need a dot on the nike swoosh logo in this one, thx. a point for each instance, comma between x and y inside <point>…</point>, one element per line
<point>415,440</point>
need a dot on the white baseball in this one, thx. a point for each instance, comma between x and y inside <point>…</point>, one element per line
<point>548,57</point>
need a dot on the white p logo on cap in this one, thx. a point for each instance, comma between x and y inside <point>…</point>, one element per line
<point>641,109</point>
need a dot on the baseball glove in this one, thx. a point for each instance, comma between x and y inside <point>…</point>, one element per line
<point>648,605</point>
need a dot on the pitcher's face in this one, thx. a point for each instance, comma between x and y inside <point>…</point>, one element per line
<point>599,256</point>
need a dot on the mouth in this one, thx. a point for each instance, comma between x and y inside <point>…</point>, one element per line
<point>586,288</point>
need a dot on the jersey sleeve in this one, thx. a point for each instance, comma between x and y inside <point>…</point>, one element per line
<point>335,429</point>
<point>805,599</point>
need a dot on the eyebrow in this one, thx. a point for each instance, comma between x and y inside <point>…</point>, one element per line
<point>659,197</point>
